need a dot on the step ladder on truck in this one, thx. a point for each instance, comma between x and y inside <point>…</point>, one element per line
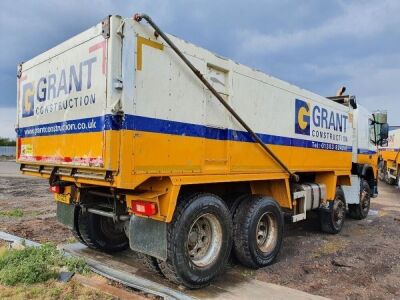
<point>154,144</point>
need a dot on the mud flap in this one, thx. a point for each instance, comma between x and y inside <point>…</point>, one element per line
<point>65,214</point>
<point>148,236</point>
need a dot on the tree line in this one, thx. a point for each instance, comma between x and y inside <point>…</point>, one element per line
<point>7,142</point>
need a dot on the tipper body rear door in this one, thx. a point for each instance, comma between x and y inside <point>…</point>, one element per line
<point>63,114</point>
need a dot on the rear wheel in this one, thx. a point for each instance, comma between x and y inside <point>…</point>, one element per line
<point>199,241</point>
<point>149,262</point>
<point>332,219</point>
<point>75,231</point>
<point>257,231</point>
<point>360,211</point>
<point>101,233</point>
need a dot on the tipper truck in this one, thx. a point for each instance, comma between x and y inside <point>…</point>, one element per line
<point>154,144</point>
<point>390,159</point>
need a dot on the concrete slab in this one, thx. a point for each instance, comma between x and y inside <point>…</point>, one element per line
<point>10,169</point>
<point>123,268</point>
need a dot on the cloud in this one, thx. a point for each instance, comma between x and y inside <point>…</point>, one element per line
<point>374,79</point>
<point>356,20</point>
<point>7,122</point>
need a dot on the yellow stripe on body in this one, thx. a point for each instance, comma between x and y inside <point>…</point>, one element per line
<point>73,146</point>
<point>370,159</point>
<point>388,154</point>
<point>145,154</point>
<point>159,153</point>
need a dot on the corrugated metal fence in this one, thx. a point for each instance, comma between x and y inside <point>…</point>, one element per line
<point>7,150</point>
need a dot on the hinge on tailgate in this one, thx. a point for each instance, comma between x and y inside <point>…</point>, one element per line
<point>105,32</point>
<point>19,71</point>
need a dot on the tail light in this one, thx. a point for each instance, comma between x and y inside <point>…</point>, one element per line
<point>144,208</point>
<point>56,189</point>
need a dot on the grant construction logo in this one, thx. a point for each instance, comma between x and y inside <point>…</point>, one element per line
<point>320,122</point>
<point>302,117</point>
<point>28,100</point>
<point>65,86</point>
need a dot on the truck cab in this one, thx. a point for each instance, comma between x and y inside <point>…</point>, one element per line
<point>389,166</point>
<point>370,130</point>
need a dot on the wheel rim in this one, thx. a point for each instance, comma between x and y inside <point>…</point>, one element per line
<point>267,232</point>
<point>365,200</point>
<point>110,230</point>
<point>204,240</point>
<point>339,210</point>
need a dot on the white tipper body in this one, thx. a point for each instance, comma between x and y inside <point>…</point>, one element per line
<point>51,101</point>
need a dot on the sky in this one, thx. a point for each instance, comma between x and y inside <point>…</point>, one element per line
<point>317,45</point>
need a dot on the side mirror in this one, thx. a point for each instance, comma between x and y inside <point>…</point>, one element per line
<point>383,134</point>
<point>353,102</point>
<point>380,117</point>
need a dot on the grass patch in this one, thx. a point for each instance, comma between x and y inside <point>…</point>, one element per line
<point>15,213</point>
<point>329,247</point>
<point>51,290</point>
<point>35,264</point>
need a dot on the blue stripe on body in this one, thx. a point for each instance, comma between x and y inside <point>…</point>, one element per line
<point>390,149</point>
<point>140,123</point>
<point>366,151</point>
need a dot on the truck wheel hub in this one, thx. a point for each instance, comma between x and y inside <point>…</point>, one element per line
<point>204,240</point>
<point>267,232</point>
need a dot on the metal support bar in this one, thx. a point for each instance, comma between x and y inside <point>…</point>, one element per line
<point>256,138</point>
<point>101,194</point>
<point>108,214</point>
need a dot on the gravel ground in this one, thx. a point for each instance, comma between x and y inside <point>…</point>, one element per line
<point>362,262</point>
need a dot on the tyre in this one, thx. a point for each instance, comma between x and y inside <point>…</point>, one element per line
<point>391,180</point>
<point>75,230</point>
<point>360,211</point>
<point>257,231</point>
<point>388,180</point>
<point>237,199</point>
<point>381,171</point>
<point>148,262</point>
<point>101,233</point>
<point>199,240</point>
<point>332,219</point>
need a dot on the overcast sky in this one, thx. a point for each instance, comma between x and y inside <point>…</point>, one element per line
<point>317,45</point>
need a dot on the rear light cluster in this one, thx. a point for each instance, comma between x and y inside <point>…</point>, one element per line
<point>144,208</point>
<point>56,189</point>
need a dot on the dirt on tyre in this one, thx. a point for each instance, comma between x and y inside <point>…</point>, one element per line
<point>101,233</point>
<point>360,211</point>
<point>332,219</point>
<point>149,262</point>
<point>257,231</point>
<point>199,240</point>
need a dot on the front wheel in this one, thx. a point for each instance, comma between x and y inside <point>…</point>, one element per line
<point>257,231</point>
<point>199,240</point>
<point>398,181</point>
<point>332,218</point>
<point>360,211</point>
